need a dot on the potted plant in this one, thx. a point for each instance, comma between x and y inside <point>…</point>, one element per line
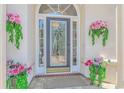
<point>97,29</point>
<point>97,68</point>
<point>17,75</point>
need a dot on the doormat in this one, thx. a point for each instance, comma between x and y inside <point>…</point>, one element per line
<point>57,70</point>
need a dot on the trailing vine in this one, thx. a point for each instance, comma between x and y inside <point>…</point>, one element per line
<point>14,29</point>
<point>92,74</point>
<point>97,29</point>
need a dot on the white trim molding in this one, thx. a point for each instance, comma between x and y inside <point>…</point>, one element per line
<point>3,46</point>
<point>120,45</point>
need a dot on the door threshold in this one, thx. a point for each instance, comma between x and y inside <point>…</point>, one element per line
<point>58,74</point>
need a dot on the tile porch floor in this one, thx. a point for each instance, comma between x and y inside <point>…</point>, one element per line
<point>61,82</point>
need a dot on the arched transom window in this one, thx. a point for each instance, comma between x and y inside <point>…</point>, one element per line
<point>58,9</point>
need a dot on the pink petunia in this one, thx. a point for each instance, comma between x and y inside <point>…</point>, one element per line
<point>88,63</point>
<point>12,19</point>
<point>17,16</point>
<point>17,21</point>
<point>99,24</point>
<point>14,71</point>
<point>9,14</point>
<point>21,68</point>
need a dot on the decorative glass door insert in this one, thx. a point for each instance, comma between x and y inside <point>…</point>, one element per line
<point>41,42</point>
<point>58,42</point>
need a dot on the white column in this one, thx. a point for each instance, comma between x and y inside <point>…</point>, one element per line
<point>2,47</point>
<point>120,57</point>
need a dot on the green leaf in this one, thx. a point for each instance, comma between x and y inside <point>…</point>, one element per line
<point>93,38</point>
<point>90,32</point>
<point>99,32</point>
<point>15,33</point>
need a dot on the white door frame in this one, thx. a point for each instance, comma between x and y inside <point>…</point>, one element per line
<point>2,46</point>
<point>43,68</point>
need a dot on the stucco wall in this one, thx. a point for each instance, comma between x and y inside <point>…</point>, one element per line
<point>0,45</point>
<point>107,13</point>
<point>31,39</point>
<point>13,53</point>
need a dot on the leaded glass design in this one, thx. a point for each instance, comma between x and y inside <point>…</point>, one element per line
<point>74,43</point>
<point>41,41</point>
<point>58,42</point>
<point>58,37</point>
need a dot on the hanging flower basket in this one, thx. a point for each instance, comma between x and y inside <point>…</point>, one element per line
<point>97,29</point>
<point>14,29</point>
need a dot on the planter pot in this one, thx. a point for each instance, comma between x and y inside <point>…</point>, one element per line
<point>11,83</point>
<point>18,82</point>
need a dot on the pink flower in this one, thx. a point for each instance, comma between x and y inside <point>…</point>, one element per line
<point>98,24</point>
<point>17,21</point>
<point>29,69</point>
<point>21,68</point>
<point>9,14</point>
<point>17,16</point>
<point>14,71</point>
<point>12,19</point>
<point>93,26</point>
<point>88,63</point>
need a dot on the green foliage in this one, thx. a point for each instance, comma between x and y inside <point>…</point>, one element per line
<point>18,82</point>
<point>22,82</point>
<point>101,74</point>
<point>95,71</point>
<point>15,33</point>
<point>96,33</point>
<point>10,83</point>
<point>92,69</point>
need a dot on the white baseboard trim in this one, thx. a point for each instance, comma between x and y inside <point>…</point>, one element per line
<point>120,85</point>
